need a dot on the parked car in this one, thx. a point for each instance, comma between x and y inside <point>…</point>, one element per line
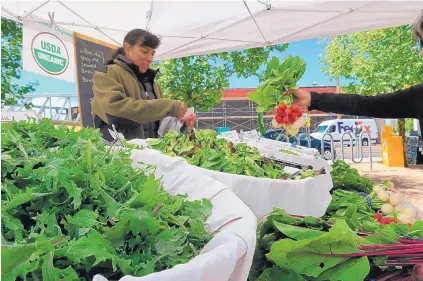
<point>278,134</point>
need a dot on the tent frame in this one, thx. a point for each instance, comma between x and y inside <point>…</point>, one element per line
<point>149,14</point>
<point>250,15</point>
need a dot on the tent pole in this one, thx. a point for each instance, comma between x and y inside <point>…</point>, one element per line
<point>92,25</point>
<point>11,13</point>
<point>35,9</point>
<point>255,22</point>
<point>149,16</point>
<point>63,23</point>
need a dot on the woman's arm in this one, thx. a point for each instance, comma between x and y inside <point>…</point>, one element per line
<point>401,104</point>
<point>110,99</point>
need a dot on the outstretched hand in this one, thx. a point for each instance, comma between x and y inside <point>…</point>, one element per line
<point>301,97</point>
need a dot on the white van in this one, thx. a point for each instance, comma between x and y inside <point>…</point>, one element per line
<point>337,127</point>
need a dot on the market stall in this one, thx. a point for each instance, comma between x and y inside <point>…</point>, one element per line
<point>75,209</point>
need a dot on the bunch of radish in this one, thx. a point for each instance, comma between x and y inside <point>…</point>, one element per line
<point>394,205</point>
<point>289,117</point>
<point>288,114</point>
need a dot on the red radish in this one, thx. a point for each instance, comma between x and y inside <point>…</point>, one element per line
<point>295,107</point>
<point>278,119</point>
<point>295,115</point>
<point>280,112</point>
<point>285,120</point>
<point>377,217</point>
<point>387,221</point>
<point>288,111</point>
<point>282,107</point>
<point>393,220</point>
<point>383,221</point>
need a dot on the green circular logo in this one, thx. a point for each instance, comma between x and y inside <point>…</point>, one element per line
<point>50,53</point>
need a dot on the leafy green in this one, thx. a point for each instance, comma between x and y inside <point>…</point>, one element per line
<point>71,208</point>
<point>297,233</point>
<point>202,148</point>
<point>308,248</point>
<point>345,177</point>
<point>279,274</point>
<point>312,257</point>
<point>278,77</point>
<point>304,252</point>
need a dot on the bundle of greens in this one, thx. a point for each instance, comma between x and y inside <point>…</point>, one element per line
<point>71,209</point>
<point>345,177</point>
<point>202,148</point>
<point>353,207</point>
<point>292,248</point>
<point>278,78</point>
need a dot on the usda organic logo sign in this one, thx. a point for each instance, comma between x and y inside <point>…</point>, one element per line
<point>50,53</point>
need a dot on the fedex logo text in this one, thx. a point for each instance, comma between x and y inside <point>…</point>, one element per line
<point>346,128</point>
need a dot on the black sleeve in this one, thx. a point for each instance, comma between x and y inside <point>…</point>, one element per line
<point>401,104</point>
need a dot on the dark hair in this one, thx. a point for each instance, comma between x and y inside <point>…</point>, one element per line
<point>136,36</point>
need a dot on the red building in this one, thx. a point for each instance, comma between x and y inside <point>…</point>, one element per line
<point>242,94</point>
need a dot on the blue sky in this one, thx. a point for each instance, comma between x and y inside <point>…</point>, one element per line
<point>309,50</point>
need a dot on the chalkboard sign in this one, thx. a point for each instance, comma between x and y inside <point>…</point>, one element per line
<point>90,55</point>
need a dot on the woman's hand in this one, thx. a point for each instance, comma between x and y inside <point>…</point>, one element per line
<point>189,119</point>
<point>301,97</point>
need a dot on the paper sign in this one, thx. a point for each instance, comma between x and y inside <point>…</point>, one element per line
<point>48,50</point>
<point>232,135</point>
<point>251,135</point>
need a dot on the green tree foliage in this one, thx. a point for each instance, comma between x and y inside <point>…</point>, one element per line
<point>199,80</point>
<point>11,64</point>
<point>377,61</point>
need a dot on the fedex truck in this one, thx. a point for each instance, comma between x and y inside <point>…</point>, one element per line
<point>337,127</point>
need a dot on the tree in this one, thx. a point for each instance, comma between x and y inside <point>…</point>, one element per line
<point>11,64</point>
<point>199,80</point>
<point>377,61</point>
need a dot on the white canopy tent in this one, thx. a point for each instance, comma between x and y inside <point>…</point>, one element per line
<point>199,27</point>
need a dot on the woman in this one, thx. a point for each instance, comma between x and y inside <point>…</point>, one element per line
<point>127,96</point>
<point>406,103</point>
